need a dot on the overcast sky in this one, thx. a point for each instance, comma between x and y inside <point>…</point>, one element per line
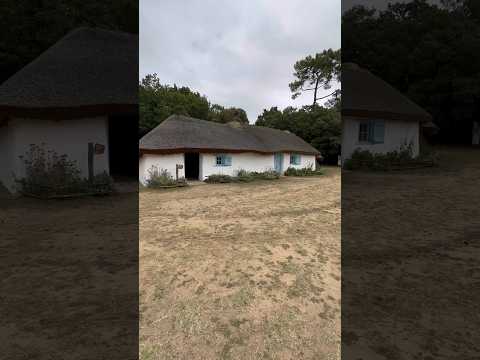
<point>237,53</point>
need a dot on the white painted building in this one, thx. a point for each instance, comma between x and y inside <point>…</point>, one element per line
<point>376,117</point>
<point>195,149</point>
<point>379,135</point>
<point>17,134</point>
<point>82,92</point>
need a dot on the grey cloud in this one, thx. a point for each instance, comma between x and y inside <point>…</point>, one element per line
<point>237,53</point>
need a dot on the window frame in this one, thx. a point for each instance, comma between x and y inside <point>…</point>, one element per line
<point>368,134</point>
<point>225,160</point>
<point>293,157</point>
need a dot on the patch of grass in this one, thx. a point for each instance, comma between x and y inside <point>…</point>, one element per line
<point>148,352</point>
<point>301,251</point>
<point>237,322</point>
<point>242,297</point>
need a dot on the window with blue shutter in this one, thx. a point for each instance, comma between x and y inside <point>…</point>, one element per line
<point>378,131</point>
<point>295,159</point>
<point>372,131</point>
<point>223,160</point>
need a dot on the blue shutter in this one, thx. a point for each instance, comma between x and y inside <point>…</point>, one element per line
<point>228,160</point>
<point>379,132</point>
<point>371,129</point>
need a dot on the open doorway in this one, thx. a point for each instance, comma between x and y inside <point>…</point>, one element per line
<point>123,147</point>
<point>192,166</point>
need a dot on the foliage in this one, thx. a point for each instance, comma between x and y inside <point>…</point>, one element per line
<point>316,71</point>
<point>158,178</point>
<point>403,157</point>
<point>429,52</point>
<point>243,176</point>
<point>157,102</point>
<point>248,176</point>
<point>219,114</point>
<point>319,126</point>
<point>48,174</point>
<point>29,27</point>
<point>306,171</point>
<point>218,178</point>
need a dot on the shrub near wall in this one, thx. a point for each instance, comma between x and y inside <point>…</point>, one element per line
<point>242,176</point>
<point>306,171</point>
<point>161,178</point>
<point>393,160</point>
<point>49,175</point>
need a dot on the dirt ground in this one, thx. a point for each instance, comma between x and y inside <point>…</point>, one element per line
<point>410,261</point>
<point>241,271</point>
<point>69,280</point>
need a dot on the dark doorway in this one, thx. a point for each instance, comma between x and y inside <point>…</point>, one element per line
<point>192,166</point>
<point>123,146</point>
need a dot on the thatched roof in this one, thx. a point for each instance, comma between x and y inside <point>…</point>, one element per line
<point>180,134</point>
<point>88,71</point>
<point>366,95</point>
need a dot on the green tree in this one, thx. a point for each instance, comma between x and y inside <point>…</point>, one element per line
<point>317,125</point>
<point>157,102</point>
<point>314,72</point>
<point>220,114</point>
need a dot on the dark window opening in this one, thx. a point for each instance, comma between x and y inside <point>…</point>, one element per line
<point>192,166</point>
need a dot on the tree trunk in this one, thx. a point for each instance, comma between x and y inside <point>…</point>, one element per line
<point>315,93</point>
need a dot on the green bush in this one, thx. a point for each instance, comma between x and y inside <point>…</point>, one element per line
<point>158,178</point>
<point>48,174</point>
<point>243,176</point>
<point>218,178</point>
<point>306,171</point>
<point>364,159</point>
<point>266,175</point>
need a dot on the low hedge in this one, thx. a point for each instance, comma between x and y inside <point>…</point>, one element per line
<point>243,176</point>
<point>307,171</point>
<point>393,160</point>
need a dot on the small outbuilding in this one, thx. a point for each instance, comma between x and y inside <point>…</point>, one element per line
<point>194,149</point>
<point>79,98</point>
<point>376,116</point>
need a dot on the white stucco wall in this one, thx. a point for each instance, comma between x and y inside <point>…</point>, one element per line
<point>305,161</point>
<point>70,137</point>
<point>207,163</point>
<point>249,162</point>
<point>167,162</point>
<point>397,133</point>
<point>240,161</point>
<point>5,156</point>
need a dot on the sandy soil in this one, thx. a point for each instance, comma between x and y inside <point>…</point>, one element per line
<point>410,261</point>
<point>69,280</point>
<point>241,271</point>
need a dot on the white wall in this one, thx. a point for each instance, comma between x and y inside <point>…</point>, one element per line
<point>249,162</point>
<point>70,137</point>
<point>5,156</point>
<point>397,133</point>
<point>167,162</point>
<point>207,163</point>
<point>245,161</point>
<point>305,161</point>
